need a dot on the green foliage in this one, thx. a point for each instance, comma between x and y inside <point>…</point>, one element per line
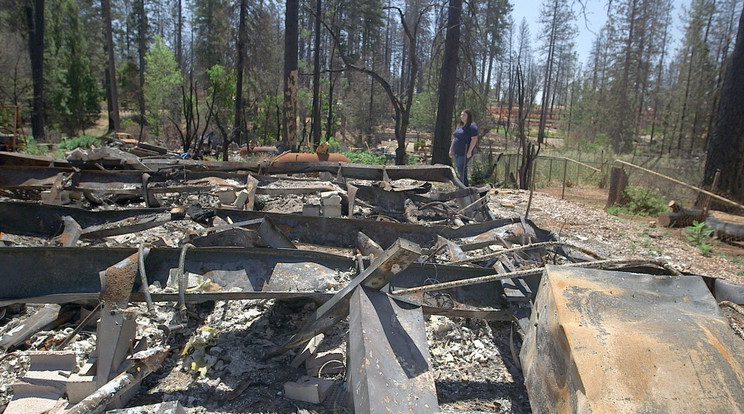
<point>423,112</point>
<point>697,234</point>
<point>72,90</point>
<point>31,147</point>
<point>365,157</point>
<point>642,202</point>
<point>82,141</point>
<point>162,77</point>
<point>222,84</point>
<point>267,118</point>
<point>478,173</point>
<point>333,145</point>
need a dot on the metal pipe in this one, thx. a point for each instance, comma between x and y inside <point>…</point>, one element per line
<point>182,278</point>
<point>142,253</point>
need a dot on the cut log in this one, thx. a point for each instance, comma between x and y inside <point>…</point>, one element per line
<point>727,227</point>
<point>675,206</point>
<point>680,217</point>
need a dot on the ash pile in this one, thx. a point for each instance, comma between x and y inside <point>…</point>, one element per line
<point>155,284</point>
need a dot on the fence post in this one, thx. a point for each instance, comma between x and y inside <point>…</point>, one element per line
<point>565,169</point>
<point>550,171</point>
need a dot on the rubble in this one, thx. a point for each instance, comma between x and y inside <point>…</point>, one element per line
<point>285,286</point>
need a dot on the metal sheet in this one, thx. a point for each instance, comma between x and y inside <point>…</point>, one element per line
<point>58,275</point>
<point>392,261</point>
<point>48,220</point>
<point>342,232</point>
<point>389,369</point>
<point>603,342</point>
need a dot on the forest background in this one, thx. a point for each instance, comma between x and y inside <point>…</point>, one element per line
<point>182,72</point>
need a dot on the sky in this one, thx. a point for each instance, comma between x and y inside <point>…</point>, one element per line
<point>589,27</point>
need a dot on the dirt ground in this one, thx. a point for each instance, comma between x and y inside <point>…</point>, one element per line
<point>581,219</point>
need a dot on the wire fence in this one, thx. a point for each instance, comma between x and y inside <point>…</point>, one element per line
<point>577,170</point>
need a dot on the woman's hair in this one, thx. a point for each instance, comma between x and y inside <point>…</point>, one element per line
<point>469,120</point>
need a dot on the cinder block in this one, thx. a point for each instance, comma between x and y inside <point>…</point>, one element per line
<point>311,210</point>
<point>332,211</point>
<point>312,390</point>
<point>44,383</point>
<point>82,383</point>
<point>241,199</point>
<point>226,196</point>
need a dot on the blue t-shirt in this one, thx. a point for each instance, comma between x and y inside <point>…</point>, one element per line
<point>462,138</point>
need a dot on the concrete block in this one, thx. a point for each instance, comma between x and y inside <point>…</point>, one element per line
<point>241,199</point>
<point>226,196</point>
<point>332,211</point>
<point>43,385</point>
<point>331,204</point>
<point>312,390</point>
<point>311,210</point>
<point>81,384</point>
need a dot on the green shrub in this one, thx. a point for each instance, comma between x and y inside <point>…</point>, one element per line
<point>31,147</point>
<point>82,141</point>
<point>697,234</point>
<point>642,202</point>
<point>365,157</point>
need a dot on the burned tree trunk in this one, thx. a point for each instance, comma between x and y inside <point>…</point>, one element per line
<point>290,75</point>
<point>35,23</point>
<point>446,105</point>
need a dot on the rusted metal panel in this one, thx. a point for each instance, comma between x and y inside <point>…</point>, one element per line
<point>606,342</point>
<point>389,369</point>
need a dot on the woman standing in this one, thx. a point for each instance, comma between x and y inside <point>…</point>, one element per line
<point>463,142</point>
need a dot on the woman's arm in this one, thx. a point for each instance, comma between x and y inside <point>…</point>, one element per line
<point>473,141</point>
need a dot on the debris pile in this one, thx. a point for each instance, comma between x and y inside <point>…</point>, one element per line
<point>265,287</point>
